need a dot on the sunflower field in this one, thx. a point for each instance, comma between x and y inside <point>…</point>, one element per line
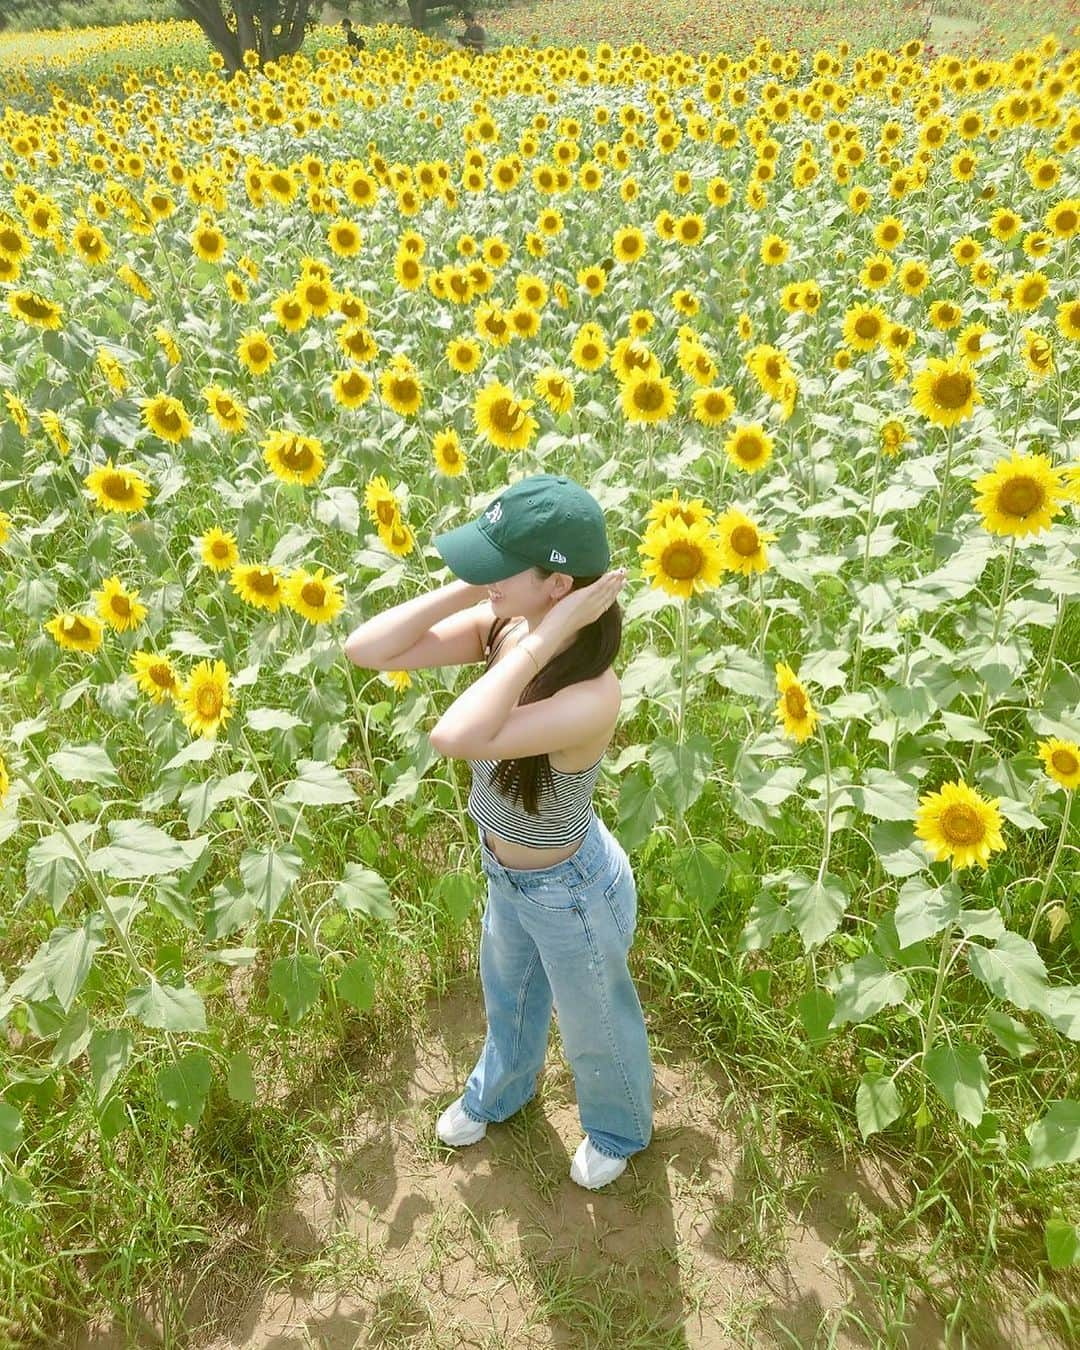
<point>806,323</point>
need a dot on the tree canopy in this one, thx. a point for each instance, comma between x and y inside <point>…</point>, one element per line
<point>270,28</point>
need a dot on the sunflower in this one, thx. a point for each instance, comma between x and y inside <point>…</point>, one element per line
<point>218,550</point>
<point>689,230</point>
<point>945,392</point>
<point>1021,496</point>
<point>877,271</point>
<point>165,416</point>
<point>892,437</point>
<point>400,387</point>
<point>315,596</point>
<point>464,355</point>
<point>959,826</point>
<point>889,232</point>
<point>119,607</point>
<point>970,342</point>
<point>1038,353</point>
<point>555,389</point>
<point>19,415</point>
<point>398,538</point>
<point>628,245</point>
<point>794,709</point>
<point>688,511</point>
<point>380,503</point>
<point>1004,224</point>
<point>774,250</point>
<point>116,489</point>
<point>742,543</point>
<point>630,358</point>
<point>681,559</point>
<point>1063,220</point>
<point>1068,319</point>
<point>447,453</point>
<point>257,585</point>
<point>714,405</point>
<point>647,398</point>
<point>208,242</point>
<point>35,309</point>
<point>1062,761</point>
<point>226,411</point>
<point>357,342</point>
<point>352,388</point>
<point>5,528</point>
<point>1029,291</point>
<point>864,327</point>
<point>589,351</point>
<point>592,279</point>
<point>75,632</point>
<point>5,781</point>
<point>90,244</point>
<point>293,458</point>
<point>256,352</point>
<point>204,699</point>
<point>749,447</point>
<point>503,419</point>
<point>291,311</point>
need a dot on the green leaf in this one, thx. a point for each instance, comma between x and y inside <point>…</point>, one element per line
<point>1013,969</point>
<point>766,919</point>
<point>741,673</point>
<point>1013,1037</point>
<point>109,1052</point>
<point>885,796</point>
<point>865,987</point>
<point>681,771</point>
<point>960,1075</point>
<point>230,908</point>
<point>167,1008</point>
<point>319,784</point>
<point>877,1103</point>
<point>268,874</point>
<point>815,1013</point>
<point>273,719</point>
<point>139,849</point>
<point>1062,1243</point>
<point>639,809</point>
<point>986,923</point>
<point>456,891</point>
<point>899,852</point>
<point>202,799</point>
<point>85,764</point>
<point>11,1128</point>
<point>73,1039</point>
<point>183,1086</point>
<point>1055,1138</point>
<point>240,1081</point>
<point>356,984</point>
<point>52,869</point>
<point>69,954</point>
<point>362,889</point>
<point>297,980</point>
<point>816,906</point>
<point>922,909</point>
<point>1062,1009</point>
<point>340,509</point>
<point>701,871</point>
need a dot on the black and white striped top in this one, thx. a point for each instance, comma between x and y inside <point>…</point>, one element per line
<point>563,818</point>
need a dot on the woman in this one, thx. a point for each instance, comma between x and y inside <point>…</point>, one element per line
<point>562,902</point>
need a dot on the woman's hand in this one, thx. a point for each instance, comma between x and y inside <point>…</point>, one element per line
<point>581,607</point>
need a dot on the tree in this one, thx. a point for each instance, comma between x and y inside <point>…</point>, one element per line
<point>269,28</point>
<point>420,9</point>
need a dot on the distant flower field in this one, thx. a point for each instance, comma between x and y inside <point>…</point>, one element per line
<point>806,323</point>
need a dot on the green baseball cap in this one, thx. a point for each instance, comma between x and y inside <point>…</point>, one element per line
<point>544,520</point>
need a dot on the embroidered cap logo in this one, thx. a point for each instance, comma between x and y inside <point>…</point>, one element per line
<point>495,513</point>
<point>556,556</point>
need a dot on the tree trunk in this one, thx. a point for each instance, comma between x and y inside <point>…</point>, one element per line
<point>234,27</point>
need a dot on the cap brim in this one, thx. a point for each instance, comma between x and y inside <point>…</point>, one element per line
<point>470,555</point>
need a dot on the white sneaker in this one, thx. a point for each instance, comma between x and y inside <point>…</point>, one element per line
<point>456,1128</point>
<point>593,1169</point>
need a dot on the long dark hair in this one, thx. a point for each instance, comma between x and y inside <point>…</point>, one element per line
<point>591,653</point>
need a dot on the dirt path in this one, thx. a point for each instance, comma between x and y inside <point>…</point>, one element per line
<point>713,1237</point>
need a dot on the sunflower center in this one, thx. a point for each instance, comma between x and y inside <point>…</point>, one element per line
<point>169,419</point>
<point>506,415</point>
<point>649,395</point>
<point>76,628</point>
<point>867,326</point>
<point>162,676</point>
<point>208,700</point>
<point>121,605</point>
<point>682,560</point>
<point>744,540</point>
<point>262,581</point>
<point>404,389</point>
<point>961,824</point>
<point>313,593</point>
<point>386,511</point>
<point>795,703</point>
<point>1065,761</point>
<point>257,352</point>
<point>748,449</point>
<point>118,487</point>
<point>1021,496</point>
<point>296,455</point>
<point>1066,219</point>
<point>220,548</point>
<point>952,391</point>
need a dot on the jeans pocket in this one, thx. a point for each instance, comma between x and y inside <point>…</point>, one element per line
<point>620,895</point>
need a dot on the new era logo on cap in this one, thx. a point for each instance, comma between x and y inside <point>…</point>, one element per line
<point>494,513</point>
<point>556,556</point>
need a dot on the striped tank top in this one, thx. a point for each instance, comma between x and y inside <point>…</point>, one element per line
<point>564,814</point>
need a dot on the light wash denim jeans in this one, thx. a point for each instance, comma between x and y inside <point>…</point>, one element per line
<point>561,935</point>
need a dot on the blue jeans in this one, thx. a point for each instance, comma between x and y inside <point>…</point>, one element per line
<point>561,935</point>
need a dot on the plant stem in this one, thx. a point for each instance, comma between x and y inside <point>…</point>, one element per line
<point>1050,651</point>
<point>828,802</point>
<point>931,1017</point>
<point>684,625</point>
<point>945,479</point>
<point>265,787</point>
<point>1053,864</point>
